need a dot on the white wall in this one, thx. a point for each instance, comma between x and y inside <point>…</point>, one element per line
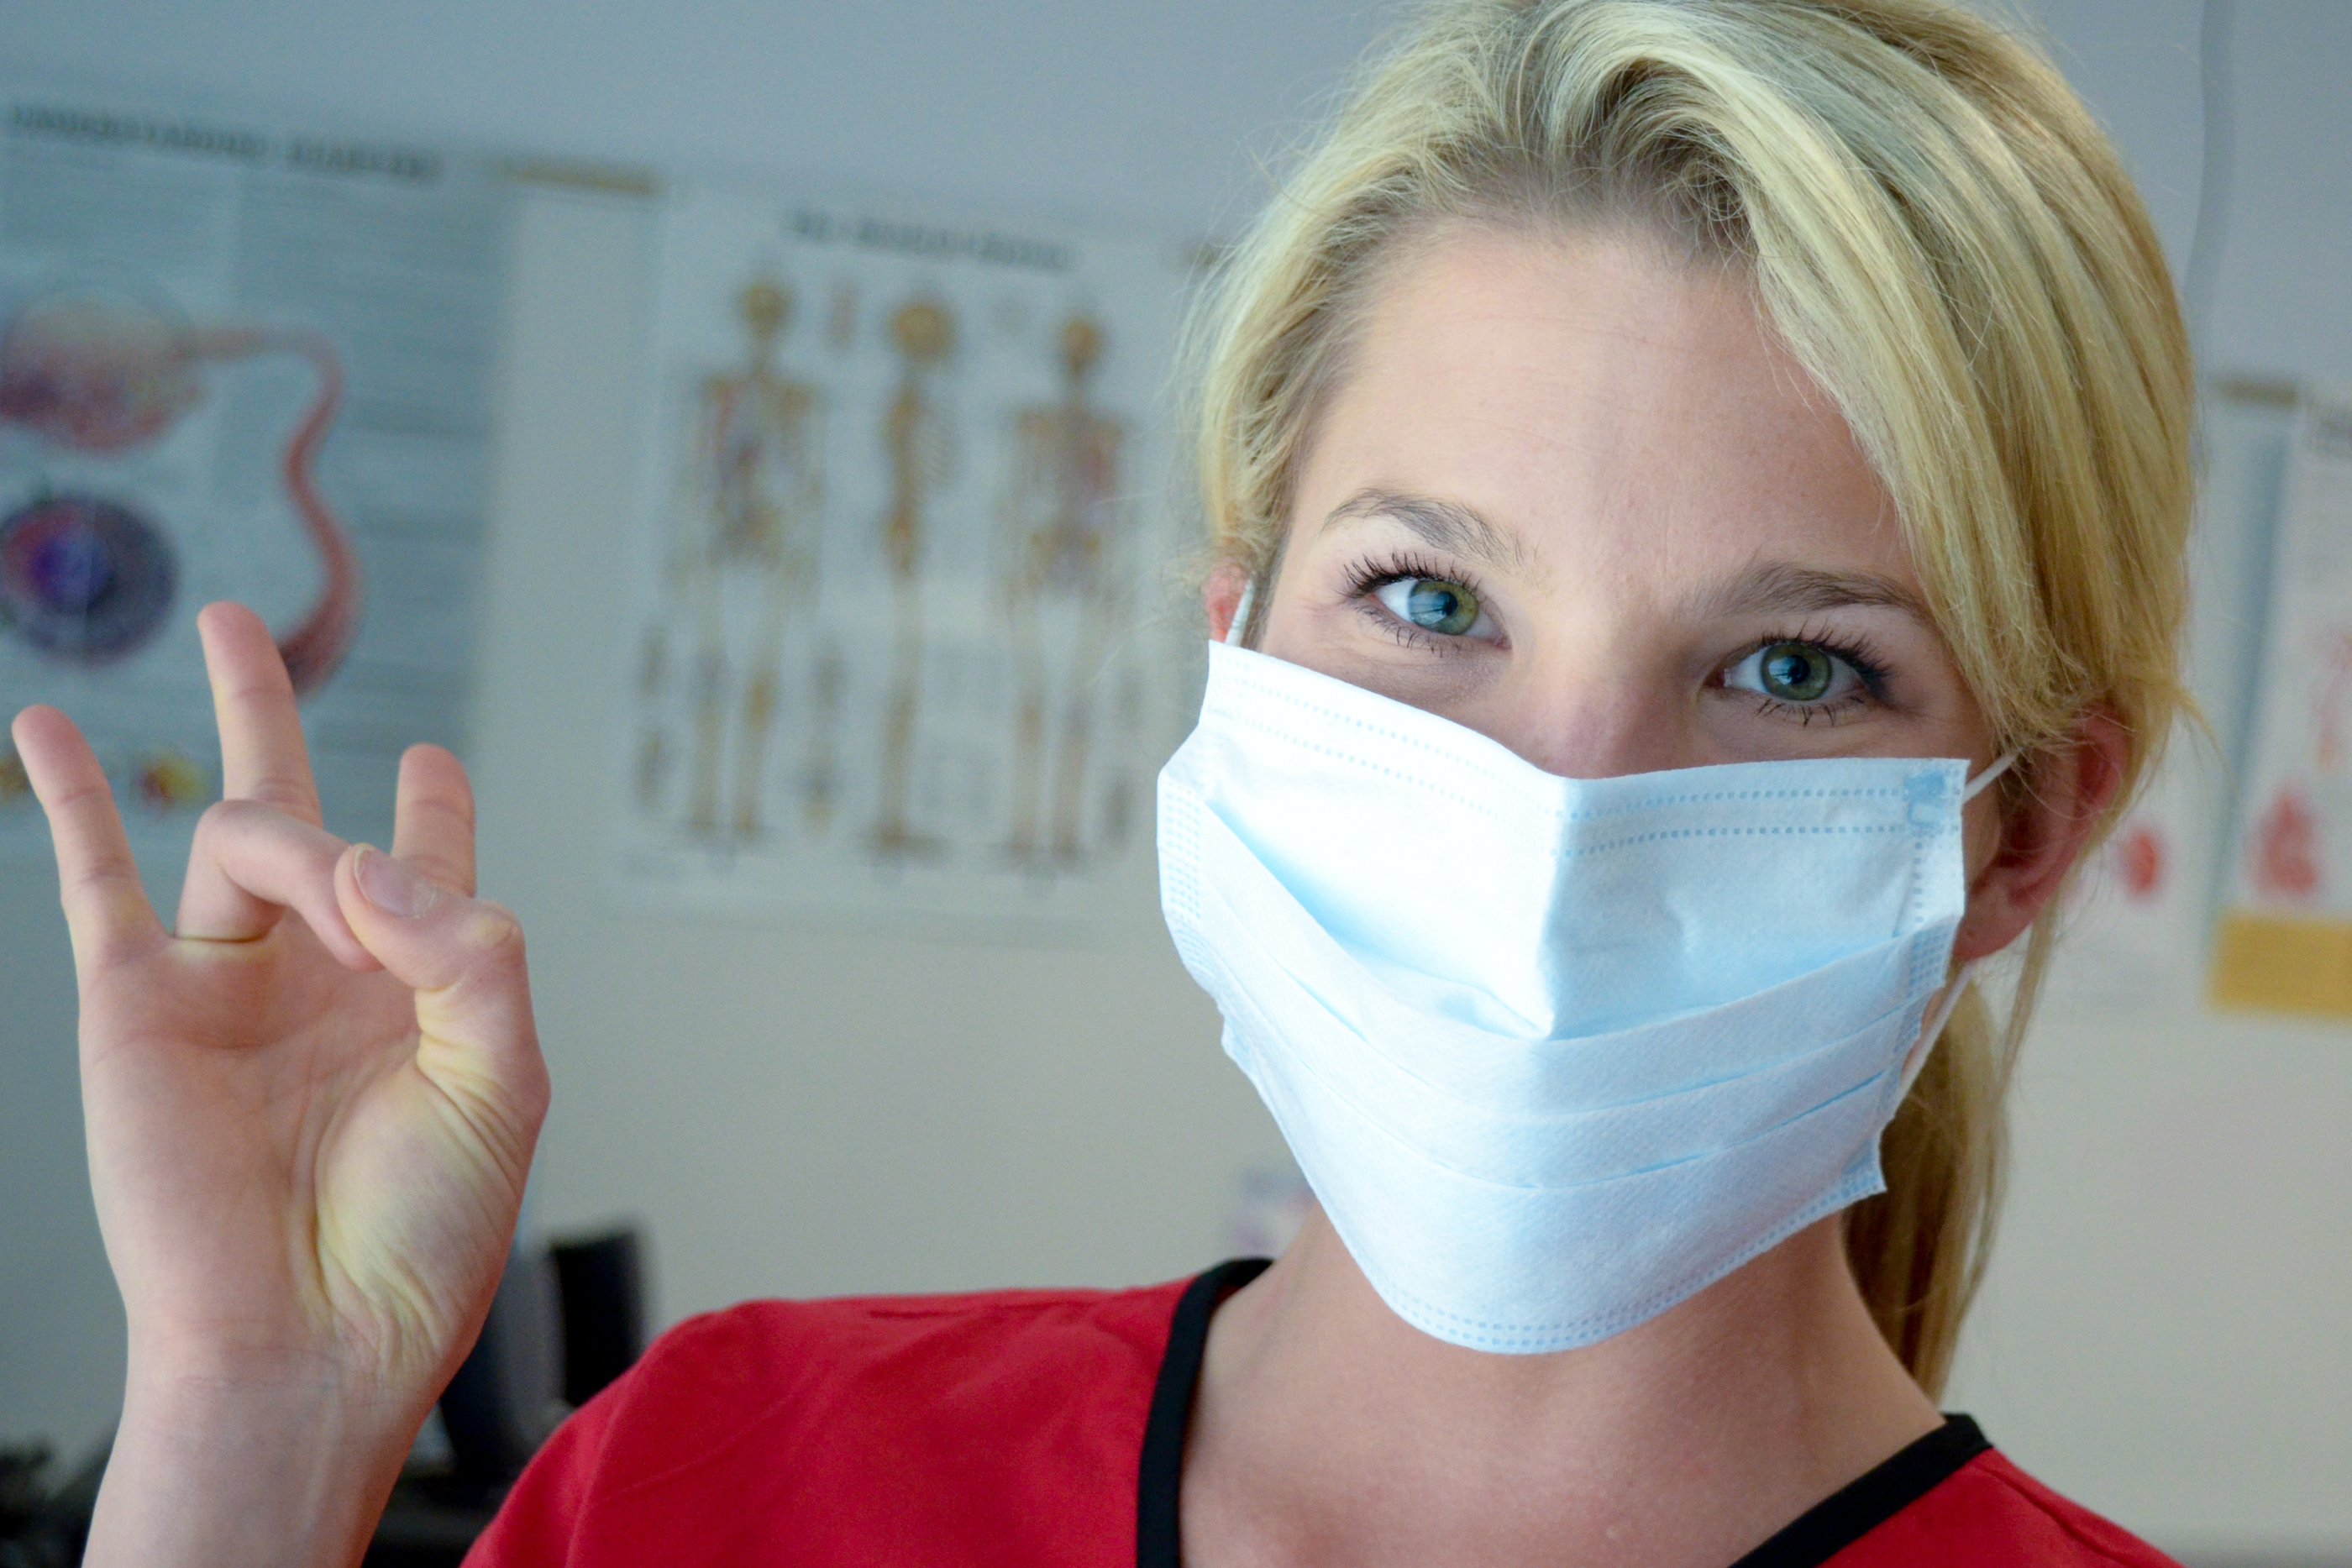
<point>801,1109</point>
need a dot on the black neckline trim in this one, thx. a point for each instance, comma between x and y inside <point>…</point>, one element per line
<point>1158,1542</point>
<point>1861,1505</point>
<point>1815,1536</point>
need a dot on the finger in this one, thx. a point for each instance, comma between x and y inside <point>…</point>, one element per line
<point>262,754</point>
<point>106,908</point>
<point>465,958</point>
<point>251,863</point>
<point>432,827</point>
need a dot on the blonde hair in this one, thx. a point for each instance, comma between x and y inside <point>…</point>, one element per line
<point>1946,240</point>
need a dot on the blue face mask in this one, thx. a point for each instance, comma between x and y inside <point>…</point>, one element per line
<point>1554,1054</point>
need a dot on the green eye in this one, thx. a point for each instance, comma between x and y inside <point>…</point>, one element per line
<point>1433,603</point>
<point>1795,672</point>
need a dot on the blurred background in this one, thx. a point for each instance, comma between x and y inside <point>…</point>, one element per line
<point>892,1065</point>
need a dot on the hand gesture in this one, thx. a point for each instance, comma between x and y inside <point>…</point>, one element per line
<point>310,1107</point>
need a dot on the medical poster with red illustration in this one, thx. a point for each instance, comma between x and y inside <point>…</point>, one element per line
<point>2285,939</point>
<point>2139,917</point>
<point>236,362</point>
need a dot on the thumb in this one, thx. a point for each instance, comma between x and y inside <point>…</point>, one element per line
<point>464,958</point>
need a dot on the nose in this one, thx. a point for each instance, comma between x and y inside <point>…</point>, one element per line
<point>1581,716</point>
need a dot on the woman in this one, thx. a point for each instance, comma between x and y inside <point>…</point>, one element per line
<point>1699,489</point>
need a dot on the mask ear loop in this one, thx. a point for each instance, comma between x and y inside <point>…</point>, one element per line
<point>1976,786</point>
<point>1933,1030</point>
<point>1234,627</point>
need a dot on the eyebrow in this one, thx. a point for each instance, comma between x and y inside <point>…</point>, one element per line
<point>1442,525</point>
<point>1768,588</point>
<point>1782,588</point>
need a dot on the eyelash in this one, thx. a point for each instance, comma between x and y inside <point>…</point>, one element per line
<point>1366,577</point>
<point>1855,652</point>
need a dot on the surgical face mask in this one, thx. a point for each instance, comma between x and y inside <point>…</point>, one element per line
<point>1554,1054</point>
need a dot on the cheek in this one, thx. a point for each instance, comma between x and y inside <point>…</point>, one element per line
<point>1308,609</point>
<point>1311,621</point>
<point>1984,831</point>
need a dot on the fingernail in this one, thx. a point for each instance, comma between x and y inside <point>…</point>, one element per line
<point>391,886</point>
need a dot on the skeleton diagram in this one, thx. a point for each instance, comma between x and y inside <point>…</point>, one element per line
<point>1064,531</point>
<point>749,553</point>
<point>916,437</point>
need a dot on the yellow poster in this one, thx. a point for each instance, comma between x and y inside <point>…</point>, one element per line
<point>2141,912</point>
<point>2285,935</point>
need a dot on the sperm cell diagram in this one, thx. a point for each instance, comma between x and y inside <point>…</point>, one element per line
<point>1066,546</point>
<point>746,556</point>
<point>919,450</point>
<point>86,577</point>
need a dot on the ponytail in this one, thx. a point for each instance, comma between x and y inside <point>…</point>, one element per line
<point>1918,1249</point>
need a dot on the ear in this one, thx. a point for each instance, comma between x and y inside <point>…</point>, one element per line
<point>2043,831</point>
<point>1221,595</point>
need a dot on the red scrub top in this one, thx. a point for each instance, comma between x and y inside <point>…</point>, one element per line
<point>1044,1428</point>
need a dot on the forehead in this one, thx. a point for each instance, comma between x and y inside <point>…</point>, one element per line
<point>1600,401</point>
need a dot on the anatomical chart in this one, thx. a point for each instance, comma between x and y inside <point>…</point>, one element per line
<point>2285,940</point>
<point>906,638</point>
<point>246,364</point>
<point>2141,914</point>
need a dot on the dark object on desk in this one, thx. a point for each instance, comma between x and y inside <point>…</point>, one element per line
<point>21,1493</point>
<point>430,1521</point>
<point>600,1281</point>
<point>565,1323</point>
<point>502,1402</point>
<point>40,1528</point>
<point>26,1540</point>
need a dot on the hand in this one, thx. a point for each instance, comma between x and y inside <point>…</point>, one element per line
<point>310,1110</point>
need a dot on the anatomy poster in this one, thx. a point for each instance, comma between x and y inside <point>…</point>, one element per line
<point>2286,941</point>
<point>236,362</point>
<point>906,639</point>
<point>2140,916</point>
